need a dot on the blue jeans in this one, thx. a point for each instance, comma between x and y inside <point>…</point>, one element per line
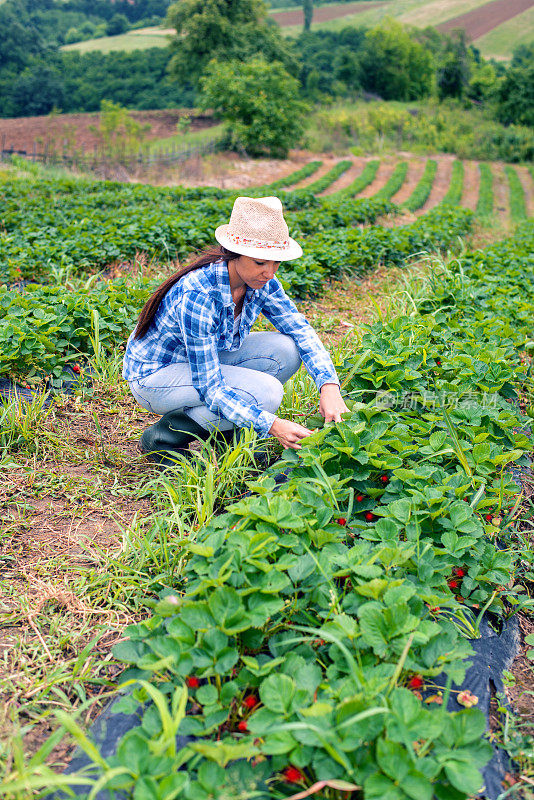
<point>256,371</point>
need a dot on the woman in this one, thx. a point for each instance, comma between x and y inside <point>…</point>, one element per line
<point>192,357</point>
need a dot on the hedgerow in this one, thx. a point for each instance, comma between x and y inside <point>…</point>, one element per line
<point>318,628</point>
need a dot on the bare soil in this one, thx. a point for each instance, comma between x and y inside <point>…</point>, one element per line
<point>74,130</point>
<point>347,178</point>
<point>384,171</point>
<point>501,194</point>
<point>483,19</point>
<point>415,173</point>
<point>471,185</point>
<point>323,13</point>
<point>440,185</point>
<point>326,166</point>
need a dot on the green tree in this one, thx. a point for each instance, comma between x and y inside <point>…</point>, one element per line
<point>454,70</point>
<point>394,65</point>
<point>223,30</point>
<point>307,6</point>
<point>515,96</point>
<point>118,24</point>
<point>259,100</point>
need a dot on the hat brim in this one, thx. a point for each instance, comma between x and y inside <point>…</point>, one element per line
<point>268,253</point>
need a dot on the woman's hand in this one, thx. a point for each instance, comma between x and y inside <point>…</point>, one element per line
<point>289,433</point>
<point>331,404</point>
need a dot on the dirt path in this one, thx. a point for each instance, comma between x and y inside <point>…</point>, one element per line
<point>384,171</point>
<point>528,185</point>
<point>415,173</point>
<point>483,19</point>
<point>471,185</point>
<point>440,185</point>
<point>324,13</point>
<point>347,178</point>
<point>325,167</point>
<point>501,194</point>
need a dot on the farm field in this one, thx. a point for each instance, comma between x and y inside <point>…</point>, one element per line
<point>76,130</point>
<point>519,30</point>
<point>353,590</point>
<point>499,19</point>
<point>138,39</point>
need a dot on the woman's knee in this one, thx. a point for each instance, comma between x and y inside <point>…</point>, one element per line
<point>288,354</point>
<point>269,392</point>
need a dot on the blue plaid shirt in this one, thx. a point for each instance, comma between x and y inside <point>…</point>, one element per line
<point>195,321</point>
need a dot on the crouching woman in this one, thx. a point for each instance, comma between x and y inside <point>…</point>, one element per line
<point>192,358</point>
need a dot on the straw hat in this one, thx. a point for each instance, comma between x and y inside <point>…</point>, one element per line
<point>257,228</point>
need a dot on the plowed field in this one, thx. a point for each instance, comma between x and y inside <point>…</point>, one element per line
<point>323,13</point>
<point>482,20</point>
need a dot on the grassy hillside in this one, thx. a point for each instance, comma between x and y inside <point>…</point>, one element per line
<point>518,30</point>
<point>133,40</point>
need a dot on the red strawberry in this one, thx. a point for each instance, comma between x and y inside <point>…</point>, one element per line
<point>416,682</point>
<point>489,517</point>
<point>452,584</point>
<point>76,368</point>
<point>293,775</point>
<point>192,682</point>
<point>438,362</point>
<point>459,572</point>
<point>359,498</point>
<point>369,516</point>
<point>341,521</point>
<point>384,479</point>
<point>250,701</point>
<point>242,725</point>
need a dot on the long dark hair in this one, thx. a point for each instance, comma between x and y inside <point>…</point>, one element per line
<point>206,256</point>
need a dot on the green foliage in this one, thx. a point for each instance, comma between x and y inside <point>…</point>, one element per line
<point>259,101</point>
<point>447,128</point>
<point>420,194</point>
<point>515,96</point>
<point>394,182</point>
<point>117,130</point>
<point>518,208</point>
<point>363,180</point>
<point>117,24</point>
<point>209,30</point>
<point>454,193</point>
<point>485,192</point>
<point>454,71</point>
<point>394,65</point>
<point>294,177</point>
<point>305,609</point>
<point>332,175</point>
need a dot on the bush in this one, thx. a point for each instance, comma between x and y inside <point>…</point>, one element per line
<point>260,102</point>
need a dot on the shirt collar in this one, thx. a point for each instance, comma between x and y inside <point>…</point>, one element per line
<point>223,281</point>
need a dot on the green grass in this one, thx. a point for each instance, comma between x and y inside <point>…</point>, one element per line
<point>501,41</point>
<point>133,40</point>
<point>183,140</point>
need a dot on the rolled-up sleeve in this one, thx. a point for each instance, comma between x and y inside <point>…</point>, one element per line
<point>198,316</point>
<point>286,318</point>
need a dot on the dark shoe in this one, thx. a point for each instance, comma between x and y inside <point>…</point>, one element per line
<point>170,435</point>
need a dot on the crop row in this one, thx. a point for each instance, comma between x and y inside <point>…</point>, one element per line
<point>422,190</point>
<point>320,628</point>
<point>45,327</point>
<point>453,195</point>
<point>394,182</point>
<point>518,208</point>
<point>332,175</point>
<point>294,177</point>
<point>485,192</point>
